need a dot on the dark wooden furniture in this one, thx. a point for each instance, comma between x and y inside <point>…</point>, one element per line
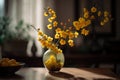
<point>77,60</point>
<point>64,74</point>
<point>74,59</point>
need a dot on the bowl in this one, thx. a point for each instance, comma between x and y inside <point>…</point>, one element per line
<point>10,70</point>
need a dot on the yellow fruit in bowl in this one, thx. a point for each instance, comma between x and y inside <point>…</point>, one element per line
<point>8,62</point>
<point>9,66</point>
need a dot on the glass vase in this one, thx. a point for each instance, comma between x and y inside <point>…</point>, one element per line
<point>53,61</point>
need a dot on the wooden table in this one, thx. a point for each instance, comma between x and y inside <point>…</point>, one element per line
<point>64,74</point>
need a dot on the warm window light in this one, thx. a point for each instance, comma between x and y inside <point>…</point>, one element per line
<point>1,7</point>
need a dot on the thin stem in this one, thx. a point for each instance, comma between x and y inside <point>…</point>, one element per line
<point>57,42</point>
<point>34,28</point>
<point>57,57</point>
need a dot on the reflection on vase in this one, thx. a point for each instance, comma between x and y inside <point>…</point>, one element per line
<point>53,61</point>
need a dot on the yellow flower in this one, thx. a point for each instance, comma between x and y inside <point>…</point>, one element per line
<point>85,10</point>
<point>76,34</point>
<point>44,36</point>
<point>92,17</point>
<point>106,13</point>
<point>71,35</point>
<point>88,22</point>
<point>54,16</point>
<point>86,14</point>
<point>81,19</point>
<point>46,43</point>
<point>62,42</point>
<point>67,31</point>
<point>106,19</point>
<point>50,20</point>
<point>58,30</point>
<point>40,32</point>
<point>76,25</point>
<point>45,14</point>
<point>57,36</point>
<point>102,23</point>
<point>99,13</point>
<point>49,39</point>
<point>93,9</point>
<point>70,42</point>
<point>82,24</point>
<point>63,34</point>
<point>55,23</point>
<point>50,11</point>
<point>43,43</point>
<point>85,32</point>
<point>53,46</point>
<point>49,26</point>
<point>59,51</point>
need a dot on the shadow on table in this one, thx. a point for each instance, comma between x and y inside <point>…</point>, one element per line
<point>66,76</point>
<point>101,72</point>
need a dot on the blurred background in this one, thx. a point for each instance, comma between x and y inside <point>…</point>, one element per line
<point>18,40</point>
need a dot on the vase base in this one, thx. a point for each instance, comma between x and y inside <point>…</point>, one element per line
<point>54,70</point>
